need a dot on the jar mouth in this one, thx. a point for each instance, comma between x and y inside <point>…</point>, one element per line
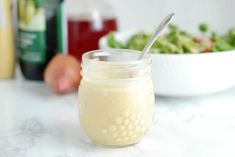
<point>119,56</point>
<point>115,64</point>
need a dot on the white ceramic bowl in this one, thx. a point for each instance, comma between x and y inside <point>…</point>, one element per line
<point>188,74</point>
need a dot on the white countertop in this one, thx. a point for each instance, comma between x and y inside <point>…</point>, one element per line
<point>34,122</point>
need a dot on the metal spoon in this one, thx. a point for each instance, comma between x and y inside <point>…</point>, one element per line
<point>161,27</point>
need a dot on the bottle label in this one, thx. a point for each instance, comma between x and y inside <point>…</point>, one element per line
<point>32,31</point>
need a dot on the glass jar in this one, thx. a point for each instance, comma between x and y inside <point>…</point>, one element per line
<point>87,22</point>
<point>116,97</point>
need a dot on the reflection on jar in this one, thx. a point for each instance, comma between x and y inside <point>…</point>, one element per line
<point>116,97</point>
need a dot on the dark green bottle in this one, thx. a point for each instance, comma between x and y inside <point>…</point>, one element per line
<point>39,26</point>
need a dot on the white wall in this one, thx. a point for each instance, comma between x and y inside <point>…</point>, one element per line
<point>132,14</point>
<point>140,14</point>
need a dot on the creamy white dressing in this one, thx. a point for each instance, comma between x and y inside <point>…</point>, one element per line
<point>116,113</point>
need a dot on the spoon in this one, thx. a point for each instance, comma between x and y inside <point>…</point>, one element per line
<point>154,37</point>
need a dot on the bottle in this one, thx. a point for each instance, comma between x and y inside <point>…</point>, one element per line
<point>38,35</point>
<point>7,54</point>
<point>87,22</point>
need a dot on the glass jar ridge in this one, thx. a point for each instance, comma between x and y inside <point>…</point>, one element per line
<point>116,64</point>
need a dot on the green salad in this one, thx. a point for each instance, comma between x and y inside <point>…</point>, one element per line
<point>177,41</point>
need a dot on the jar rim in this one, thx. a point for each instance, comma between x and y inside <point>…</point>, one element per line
<point>115,64</point>
<point>100,56</point>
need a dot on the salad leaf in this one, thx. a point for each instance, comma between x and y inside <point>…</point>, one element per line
<point>203,27</point>
<point>230,37</point>
<point>177,41</point>
<point>112,42</point>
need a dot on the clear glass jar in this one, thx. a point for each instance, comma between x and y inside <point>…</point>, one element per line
<point>116,97</point>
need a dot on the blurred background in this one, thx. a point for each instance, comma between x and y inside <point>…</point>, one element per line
<point>134,14</point>
<point>142,14</point>
<point>81,23</point>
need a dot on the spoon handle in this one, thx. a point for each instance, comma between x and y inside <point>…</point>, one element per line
<point>154,37</point>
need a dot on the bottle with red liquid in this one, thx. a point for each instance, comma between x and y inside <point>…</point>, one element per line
<point>87,22</point>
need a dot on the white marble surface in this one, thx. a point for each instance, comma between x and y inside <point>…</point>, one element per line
<point>34,122</point>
